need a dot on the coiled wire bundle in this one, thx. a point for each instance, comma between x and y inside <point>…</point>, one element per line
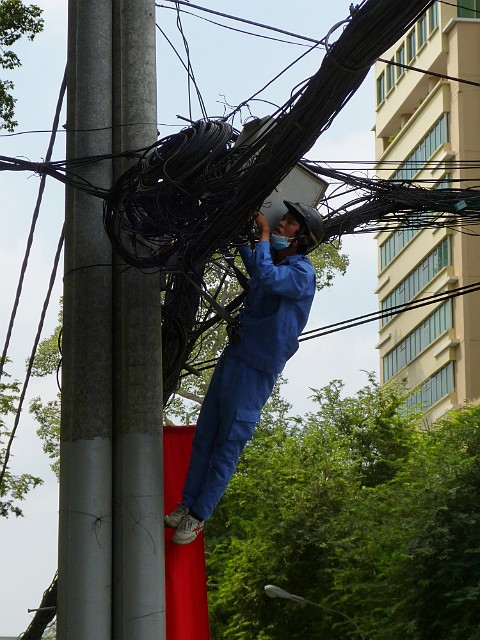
<point>158,208</point>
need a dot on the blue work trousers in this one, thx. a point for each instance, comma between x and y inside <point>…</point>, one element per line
<point>229,413</point>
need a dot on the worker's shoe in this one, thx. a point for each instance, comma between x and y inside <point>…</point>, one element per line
<point>187,530</point>
<point>174,518</point>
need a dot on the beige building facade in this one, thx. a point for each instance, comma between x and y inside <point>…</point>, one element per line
<point>427,129</point>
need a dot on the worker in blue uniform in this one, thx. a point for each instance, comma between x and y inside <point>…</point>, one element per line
<point>275,312</point>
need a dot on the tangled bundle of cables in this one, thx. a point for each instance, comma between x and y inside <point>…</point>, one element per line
<point>386,205</point>
<point>195,192</point>
<point>157,210</point>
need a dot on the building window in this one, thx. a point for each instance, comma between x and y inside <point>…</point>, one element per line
<point>438,135</point>
<point>433,17</point>
<point>381,88</point>
<point>468,8</point>
<point>390,76</point>
<point>411,46</point>
<point>401,237</point>
<point>400,59</point>
<point>422,31</point>
<point>419,339</point>
<point>434,389</point>
<point>433,263</point>
<point>394,244</point>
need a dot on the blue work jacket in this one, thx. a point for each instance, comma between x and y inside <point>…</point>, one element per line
<point>276,308</point>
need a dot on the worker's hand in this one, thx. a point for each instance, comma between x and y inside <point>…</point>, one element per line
<point>263,226</point>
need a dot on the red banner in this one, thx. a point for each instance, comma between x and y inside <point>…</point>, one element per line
<point>185,574</point>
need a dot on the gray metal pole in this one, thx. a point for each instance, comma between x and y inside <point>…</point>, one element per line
<point>139,599</point>
<point>85,550</point>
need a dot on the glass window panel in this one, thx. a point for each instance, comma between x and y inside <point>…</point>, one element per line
<point>433,17</point>
<point>400,58</point>
<point>437,324</point>
<point>411,46</point>
<point>466,8</point>
<point>422,31</point>
<point>427,394</point>
<point>428,146</point>
<point>390,76</point>
<point>381,88</point>
<point>437,135</point>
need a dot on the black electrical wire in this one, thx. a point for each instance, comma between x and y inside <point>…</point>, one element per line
<point>32,357</point>
<point>225,192</point>
<point>365,319</point>
<point>224,26</point>
<point>36,212</point>
<point>443,76</point>
<point>190,73</point>
<point>244,20</point>
<point>270,82</point>
<point>391,311</point>
<point>323,41</point>
<point>66,129</point>
<point>193,193</point>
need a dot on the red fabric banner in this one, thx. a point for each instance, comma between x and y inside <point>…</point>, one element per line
<point>185,574</point>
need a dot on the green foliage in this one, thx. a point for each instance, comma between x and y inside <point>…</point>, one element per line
<point>414,555</point>
<point>359,510</point>
<point>16,20</point>
<point>50,632</point>
<point>13,488</point>
<point>48,357</point>
<point>47,414</point>
<point>328,261</point>
<point>380,434</point>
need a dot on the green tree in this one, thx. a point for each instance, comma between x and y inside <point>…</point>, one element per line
<point>408,560</point>
<point>16,20</point>
<point>276,522</point>
<point>47,362</point>
<point>13,488</point>
<point>358,508</point>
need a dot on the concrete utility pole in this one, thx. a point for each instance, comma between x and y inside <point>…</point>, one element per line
<point>138,536</point>
<point>85,548</point>
<point>111,578</point>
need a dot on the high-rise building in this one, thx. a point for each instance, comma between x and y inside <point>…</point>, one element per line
<point>427,130</point>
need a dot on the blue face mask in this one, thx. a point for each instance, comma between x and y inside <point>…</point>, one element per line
<point>279,242</point>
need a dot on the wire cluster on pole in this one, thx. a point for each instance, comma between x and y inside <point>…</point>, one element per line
<point>193,194</point>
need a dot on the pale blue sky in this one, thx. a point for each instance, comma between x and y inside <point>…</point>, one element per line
<point>225,64</point>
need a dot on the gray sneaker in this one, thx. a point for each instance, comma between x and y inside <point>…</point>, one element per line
<point>187,530</point>
<point>174,518</point>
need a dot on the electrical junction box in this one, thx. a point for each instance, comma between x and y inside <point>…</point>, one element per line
<point>300,185</point>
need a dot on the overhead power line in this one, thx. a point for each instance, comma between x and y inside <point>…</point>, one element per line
<point>366,318</point>
<point>192,194</point>
<point>243,20</point>
<point>442,76</point>
<point>315,41</point>
<point>386,313</point>
<point>32,357</point>
<point>41,189</point>
<point>225,26</point>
